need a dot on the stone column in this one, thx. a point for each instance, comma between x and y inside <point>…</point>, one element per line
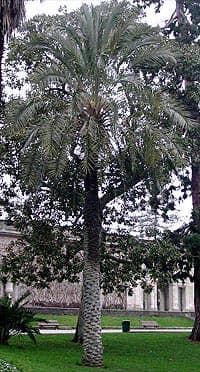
<point>189,296</point>
<point>161,300</point>
<point>9,289</point>
<point>153,298</point>
<point>138,298</point>
<point>101,299</point>
<point>15,294</point>
<point>1,289</point>
<point>135,301</point>
<point>173,297</point>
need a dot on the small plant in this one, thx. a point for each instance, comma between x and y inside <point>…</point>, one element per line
<point>7,367</point>
<point>15,319</point>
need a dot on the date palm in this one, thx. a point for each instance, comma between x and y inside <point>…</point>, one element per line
<point>89,102</point>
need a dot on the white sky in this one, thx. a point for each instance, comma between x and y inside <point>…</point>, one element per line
<point>51,7</point>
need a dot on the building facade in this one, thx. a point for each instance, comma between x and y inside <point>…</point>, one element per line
<point>174,297</point>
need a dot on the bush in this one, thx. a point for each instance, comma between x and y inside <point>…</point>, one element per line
<point>7,367</point>
<point>15,319</point>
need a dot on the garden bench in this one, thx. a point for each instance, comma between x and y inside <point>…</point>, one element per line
<point>149,324</point>
<point>49,324</point>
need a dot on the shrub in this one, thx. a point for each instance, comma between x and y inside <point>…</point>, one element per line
<point>15,319</point>
<point>7,367</point>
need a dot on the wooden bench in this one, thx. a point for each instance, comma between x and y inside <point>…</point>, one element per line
<point>149,324</point>
<point>49,324</point>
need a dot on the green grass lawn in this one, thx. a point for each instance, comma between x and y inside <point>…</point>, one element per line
<point>122,353</point>
<point>116,321</point>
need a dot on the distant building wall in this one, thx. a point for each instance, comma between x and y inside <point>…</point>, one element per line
<point>174,297</point>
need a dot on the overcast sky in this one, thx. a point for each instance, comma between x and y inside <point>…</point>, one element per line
<point>51,7</point>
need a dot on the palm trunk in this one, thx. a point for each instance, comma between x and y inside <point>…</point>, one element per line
<point>1,68</point>
<point>92,340</point>
<point>195,335</point>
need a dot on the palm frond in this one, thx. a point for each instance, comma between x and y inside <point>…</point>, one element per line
<point>20,113</point>
<point>33,166</point>
<point>179,116</point>
<point>113,27</point>
<point>22,300</point>
<point>64,50</point>
<point>151,56</point>
<point>54,75</point>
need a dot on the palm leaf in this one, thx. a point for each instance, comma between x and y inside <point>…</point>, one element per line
<point>179,116</point>
<point>20,114</point>
<point>64,50</point>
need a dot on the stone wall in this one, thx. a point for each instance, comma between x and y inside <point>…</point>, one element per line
<point>67,295</point>
<point>111,312</point>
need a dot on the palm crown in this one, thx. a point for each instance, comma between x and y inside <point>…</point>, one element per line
<point>93,91</point>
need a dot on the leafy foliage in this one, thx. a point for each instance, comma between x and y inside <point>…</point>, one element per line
<point>48,254</point>
<point>44,255</point>
<point>184,21</point>
<point>138,262</point>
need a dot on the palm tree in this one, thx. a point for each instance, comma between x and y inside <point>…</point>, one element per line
<point>89,102</point>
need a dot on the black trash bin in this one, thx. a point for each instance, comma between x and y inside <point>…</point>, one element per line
<point>126,325</point>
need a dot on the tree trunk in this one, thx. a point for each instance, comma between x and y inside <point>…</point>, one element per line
<point>92,340</point>
<point>78,337</point>
<point>180,12</point>
<point>195,335</point>
<point>1,68</point>
<point>4,336</point>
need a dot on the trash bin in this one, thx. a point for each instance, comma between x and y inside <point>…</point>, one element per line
<point>126,325</point>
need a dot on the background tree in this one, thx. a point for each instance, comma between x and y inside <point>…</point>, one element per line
<point>183,81</point>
